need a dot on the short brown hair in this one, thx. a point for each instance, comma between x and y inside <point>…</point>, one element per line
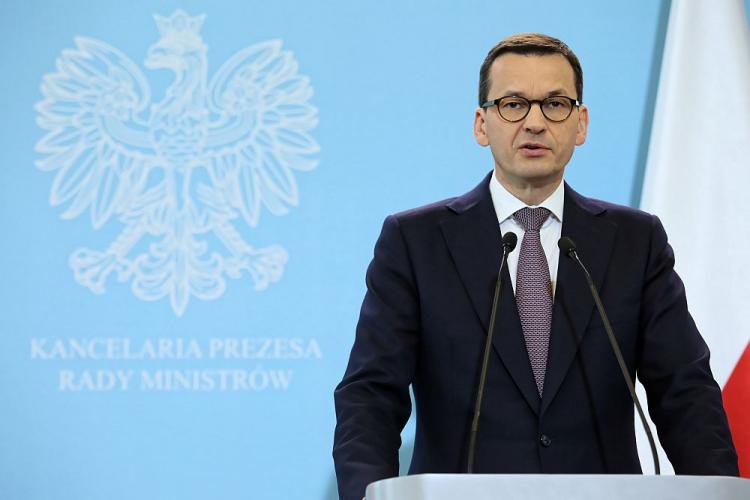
<point>535,44</point>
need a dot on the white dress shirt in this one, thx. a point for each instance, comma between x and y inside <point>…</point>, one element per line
<point>506,205</point>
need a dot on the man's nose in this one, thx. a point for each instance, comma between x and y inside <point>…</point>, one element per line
<point>535,122</point>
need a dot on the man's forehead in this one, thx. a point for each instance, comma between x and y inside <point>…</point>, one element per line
<point>523,73</point>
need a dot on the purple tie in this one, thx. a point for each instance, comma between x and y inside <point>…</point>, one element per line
<point>534,291</point>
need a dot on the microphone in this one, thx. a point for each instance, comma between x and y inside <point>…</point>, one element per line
<point>568,247</point>
<point>509,244</point>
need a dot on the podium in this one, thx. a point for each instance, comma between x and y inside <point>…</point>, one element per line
<point>558,487</point>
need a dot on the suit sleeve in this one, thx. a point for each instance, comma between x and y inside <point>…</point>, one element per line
<point>684,400</point>
<point>372,400</point>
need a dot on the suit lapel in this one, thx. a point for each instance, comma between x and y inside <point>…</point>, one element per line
<point>594,237</point>
<point>474,240</point>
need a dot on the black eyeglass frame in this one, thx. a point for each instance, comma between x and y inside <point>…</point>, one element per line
<point>575,103</point>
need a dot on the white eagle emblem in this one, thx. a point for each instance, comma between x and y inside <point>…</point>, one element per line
<point>178,172</point>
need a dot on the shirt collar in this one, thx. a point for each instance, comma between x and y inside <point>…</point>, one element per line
<point>506,204</point>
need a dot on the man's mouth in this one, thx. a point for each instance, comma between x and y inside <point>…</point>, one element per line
<point>533,149</point>
<point>533,145</point>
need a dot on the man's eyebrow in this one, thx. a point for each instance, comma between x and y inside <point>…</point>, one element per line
<point>519,93</point>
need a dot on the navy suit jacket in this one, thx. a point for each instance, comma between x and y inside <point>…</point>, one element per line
<point>423,323</point>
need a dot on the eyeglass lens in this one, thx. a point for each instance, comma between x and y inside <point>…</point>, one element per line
<point>554,108</point>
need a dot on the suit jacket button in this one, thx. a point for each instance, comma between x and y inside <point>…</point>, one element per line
<point>545,440</point>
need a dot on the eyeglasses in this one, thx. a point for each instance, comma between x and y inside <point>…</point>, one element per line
<point>556,108</point>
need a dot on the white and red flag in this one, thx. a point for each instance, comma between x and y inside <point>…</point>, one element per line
<point>697,181</point>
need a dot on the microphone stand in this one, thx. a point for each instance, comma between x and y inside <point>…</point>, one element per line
<point>509,243</point>
<point>567,246</point>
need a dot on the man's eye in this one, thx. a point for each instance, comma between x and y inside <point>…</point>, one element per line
<point>513,105</point>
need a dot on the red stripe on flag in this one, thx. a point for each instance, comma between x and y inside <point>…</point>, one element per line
<point>737,404</point>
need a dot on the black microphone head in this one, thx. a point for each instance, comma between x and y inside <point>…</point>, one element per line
<point>567,246</point>
<point>509,241</point>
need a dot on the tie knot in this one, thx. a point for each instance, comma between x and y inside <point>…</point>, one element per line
<point>531,218</point>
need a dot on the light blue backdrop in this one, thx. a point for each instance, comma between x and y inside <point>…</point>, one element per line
<point>395,88</point>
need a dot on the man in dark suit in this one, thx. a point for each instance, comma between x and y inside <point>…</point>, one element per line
<point>555,400</point>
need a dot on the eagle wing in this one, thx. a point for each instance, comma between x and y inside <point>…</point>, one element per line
<point>96,141</point>
<point>259,134</point>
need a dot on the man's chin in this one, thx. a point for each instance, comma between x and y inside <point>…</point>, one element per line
<point>526,181</point>
<point>540,175</point>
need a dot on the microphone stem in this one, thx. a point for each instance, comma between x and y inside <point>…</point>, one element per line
<point>485,364</point>
<point>620,360</point>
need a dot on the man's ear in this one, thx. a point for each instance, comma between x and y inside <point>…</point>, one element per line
<point>583,124</point>
<point>480,127</point>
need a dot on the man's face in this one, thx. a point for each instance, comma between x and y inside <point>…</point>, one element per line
<point>531,153</point>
